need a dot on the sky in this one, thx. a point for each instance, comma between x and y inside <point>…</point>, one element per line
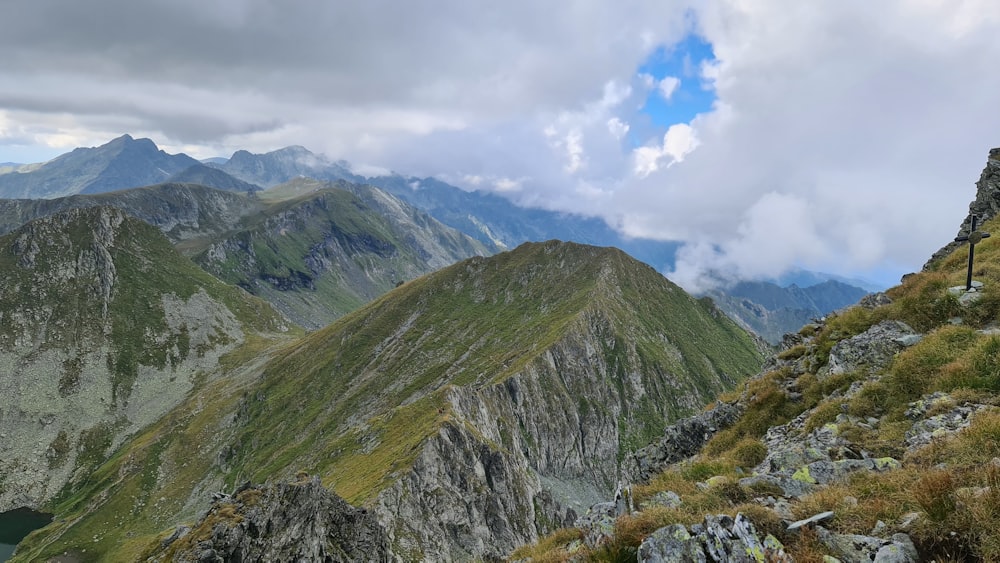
<point>843,136</point>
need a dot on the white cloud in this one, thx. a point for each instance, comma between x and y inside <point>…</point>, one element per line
<point>679,140</point>
<point>668,86</point>
<point>507,184</point>
<point>617,128</point>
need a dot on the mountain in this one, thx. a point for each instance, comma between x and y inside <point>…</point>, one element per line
<point>213,178</point>
<point>470,410</point>
<point>807,278</point>
<point>771,311</point>
<point>186,213</point>
<point>325,253</point>
<point>276,167</point>
<point>493,220</point>
<point>871,436</point>
<point>105,328</point>
<point>315,256</point>
<point>122,163</point>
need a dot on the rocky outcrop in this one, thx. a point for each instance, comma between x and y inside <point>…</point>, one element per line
<point>298,521</point>
<point>986,205</point>
<point>681,440</point>
<point>463,500</point>
<point>873,349</point>
<point>855,547</point>
<point>721,539</point>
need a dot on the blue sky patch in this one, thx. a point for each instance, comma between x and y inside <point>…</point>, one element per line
<point>683,61</point>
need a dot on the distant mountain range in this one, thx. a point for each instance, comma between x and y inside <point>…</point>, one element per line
<point>494,221</point>
<point>122,163</point>
<point>314,254</point>
<point>771,311</point>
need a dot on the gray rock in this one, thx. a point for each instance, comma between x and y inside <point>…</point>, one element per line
<point>672,544</point>
<point>854,547</point>
<point>299,521</point>
<point>681,440</point>
<point>719,539</point>
<point>821,517</point>
<point>873,349</point>
<point>925,428</point>
<point>598,524</point>
<point>874,300</point>
<point>667,499</point>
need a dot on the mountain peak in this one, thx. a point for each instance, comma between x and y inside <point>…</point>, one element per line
<point>985,207</point>
<point>123,162</point>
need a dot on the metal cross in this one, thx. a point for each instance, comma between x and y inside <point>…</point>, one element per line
<point>973,237</point>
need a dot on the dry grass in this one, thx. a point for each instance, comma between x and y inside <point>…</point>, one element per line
<point>551,548</point>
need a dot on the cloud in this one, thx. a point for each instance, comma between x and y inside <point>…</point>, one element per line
<point>843,136</point>
<point>668,86</point>
<point>617,128</point>
<point>679,140</point>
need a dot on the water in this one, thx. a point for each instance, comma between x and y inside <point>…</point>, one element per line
<point>17,523</point>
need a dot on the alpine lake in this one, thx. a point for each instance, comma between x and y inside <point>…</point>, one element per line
<point>15,525</point>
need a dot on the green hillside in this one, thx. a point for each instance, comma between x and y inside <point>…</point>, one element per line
<point>105,328</point>
<point>326,252</point>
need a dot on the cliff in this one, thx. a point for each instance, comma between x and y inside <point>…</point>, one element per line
<point>103,329</point>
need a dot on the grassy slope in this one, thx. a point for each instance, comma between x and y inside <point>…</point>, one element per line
<point>276,244</point>
<point>935,481</point>
<point>146,265</point>
<point>474,323</point>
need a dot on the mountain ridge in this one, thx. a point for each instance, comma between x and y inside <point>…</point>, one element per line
<point>121,163</point>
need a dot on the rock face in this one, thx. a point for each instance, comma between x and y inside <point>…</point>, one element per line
<point>986,205</point>
<point>299,521</point>
<point>873,349</point>
<point>103,329</point>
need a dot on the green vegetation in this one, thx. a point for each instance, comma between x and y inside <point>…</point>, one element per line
<point>320,252</point>
<point>953,484</point>
<point>473,324</point>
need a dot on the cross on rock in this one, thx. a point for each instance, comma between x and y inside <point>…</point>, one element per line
<point>973,237</point>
